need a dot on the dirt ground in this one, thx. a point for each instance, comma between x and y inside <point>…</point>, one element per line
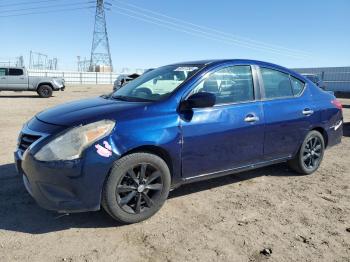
<point>300,218</point>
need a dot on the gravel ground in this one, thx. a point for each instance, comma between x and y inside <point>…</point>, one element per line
<point>234,218</point>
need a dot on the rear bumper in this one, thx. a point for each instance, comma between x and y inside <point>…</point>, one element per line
<point>335,133</point>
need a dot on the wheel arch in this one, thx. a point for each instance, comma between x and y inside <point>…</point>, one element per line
<point>156,150</point>
<point>44,83</point>
<point>323,133</point>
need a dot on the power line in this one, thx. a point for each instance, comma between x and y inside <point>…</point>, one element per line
<point>28,3</point>
<point>204,30</point>
<point>200,33</point>
<point>45,6</point>
<point>196,34</point>
<point>207,28</point>
<point>49,11</point>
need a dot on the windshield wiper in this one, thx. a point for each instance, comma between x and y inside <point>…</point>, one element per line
<point>122,98</point>
<point>131,99</point>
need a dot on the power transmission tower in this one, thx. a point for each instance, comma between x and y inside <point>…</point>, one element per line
<point>41,61</point>
<point>100,52</point>
<point>83,65</point>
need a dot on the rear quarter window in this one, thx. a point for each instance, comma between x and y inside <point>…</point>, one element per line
<point>297,86</point>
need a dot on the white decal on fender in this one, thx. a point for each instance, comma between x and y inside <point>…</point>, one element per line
<point>338,125</point>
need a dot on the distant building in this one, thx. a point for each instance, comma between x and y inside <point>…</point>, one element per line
<point>337,79</point>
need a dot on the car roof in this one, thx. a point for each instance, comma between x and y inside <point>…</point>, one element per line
<point>245,61</point>
<point>12,67</point>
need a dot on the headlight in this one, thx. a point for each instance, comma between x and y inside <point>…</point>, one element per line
<point>71,144</point>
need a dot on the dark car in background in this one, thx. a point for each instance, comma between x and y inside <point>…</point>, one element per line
<point>123,79</point>
<point>177,124</point>
<point>316,80</point>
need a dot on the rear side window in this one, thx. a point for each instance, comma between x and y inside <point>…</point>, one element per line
<point>2,71</point>
<point>15,72</point>
<point>297,85</point>
<point>276,83</point>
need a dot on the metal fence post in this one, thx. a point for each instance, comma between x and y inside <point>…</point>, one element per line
<point>81,77</point>
<point>96,78</point>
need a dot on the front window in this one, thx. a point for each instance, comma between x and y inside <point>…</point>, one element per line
<point>156,84</point>
<point>230,85</point>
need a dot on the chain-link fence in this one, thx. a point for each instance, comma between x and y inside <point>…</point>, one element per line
<point>78,78</point>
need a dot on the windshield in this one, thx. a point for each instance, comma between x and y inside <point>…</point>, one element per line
<point>156,84</point>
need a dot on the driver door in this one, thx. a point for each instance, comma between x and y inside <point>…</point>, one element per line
<point>228,135</point>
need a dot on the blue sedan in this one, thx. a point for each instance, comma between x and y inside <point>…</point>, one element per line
<point>176,124</point>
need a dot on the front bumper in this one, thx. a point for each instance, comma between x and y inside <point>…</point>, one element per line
<point>58,88</point>
<point>64,186</point>
<point>54,186</point>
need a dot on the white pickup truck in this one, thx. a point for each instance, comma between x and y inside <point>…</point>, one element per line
<point>17,79</point>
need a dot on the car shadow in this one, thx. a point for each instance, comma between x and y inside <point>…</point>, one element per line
<point>20,213</point>
<point>19,96</point>
<point>346,129</point>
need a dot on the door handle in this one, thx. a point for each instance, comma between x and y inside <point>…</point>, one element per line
<point>308,112</point>
<point>3,77</point>
<point>250,118</point>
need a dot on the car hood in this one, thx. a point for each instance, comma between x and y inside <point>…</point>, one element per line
<point>87,111</point>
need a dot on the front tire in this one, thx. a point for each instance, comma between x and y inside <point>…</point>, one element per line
<point>310,154</point>
<point>44,91</point>
<point>136,187</point>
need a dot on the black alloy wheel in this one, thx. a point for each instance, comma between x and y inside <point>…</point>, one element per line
<point>139,189</point>
<point>136,187</point>
<point>310,154</point>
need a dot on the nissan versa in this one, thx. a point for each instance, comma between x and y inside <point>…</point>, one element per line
<point>173,125</point>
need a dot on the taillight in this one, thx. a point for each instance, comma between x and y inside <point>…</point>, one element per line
<point>337,104</point>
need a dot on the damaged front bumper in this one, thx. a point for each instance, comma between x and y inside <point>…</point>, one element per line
<point>63,186</point>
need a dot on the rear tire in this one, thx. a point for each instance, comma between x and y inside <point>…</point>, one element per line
<point>44,91</point>
<point>310,154</point>
<point>136,187</point>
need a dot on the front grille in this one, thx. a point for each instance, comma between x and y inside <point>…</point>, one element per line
<point>26,140</point>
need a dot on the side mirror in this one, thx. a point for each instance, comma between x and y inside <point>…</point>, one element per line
<point>198,100</point>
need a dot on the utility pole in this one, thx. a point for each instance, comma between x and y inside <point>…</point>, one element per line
<point>100,52</point>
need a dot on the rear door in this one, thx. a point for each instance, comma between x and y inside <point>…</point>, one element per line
<point>3,77</point>
<point>228,135</point>
<point>288,110</point>
<point>16,79</point>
